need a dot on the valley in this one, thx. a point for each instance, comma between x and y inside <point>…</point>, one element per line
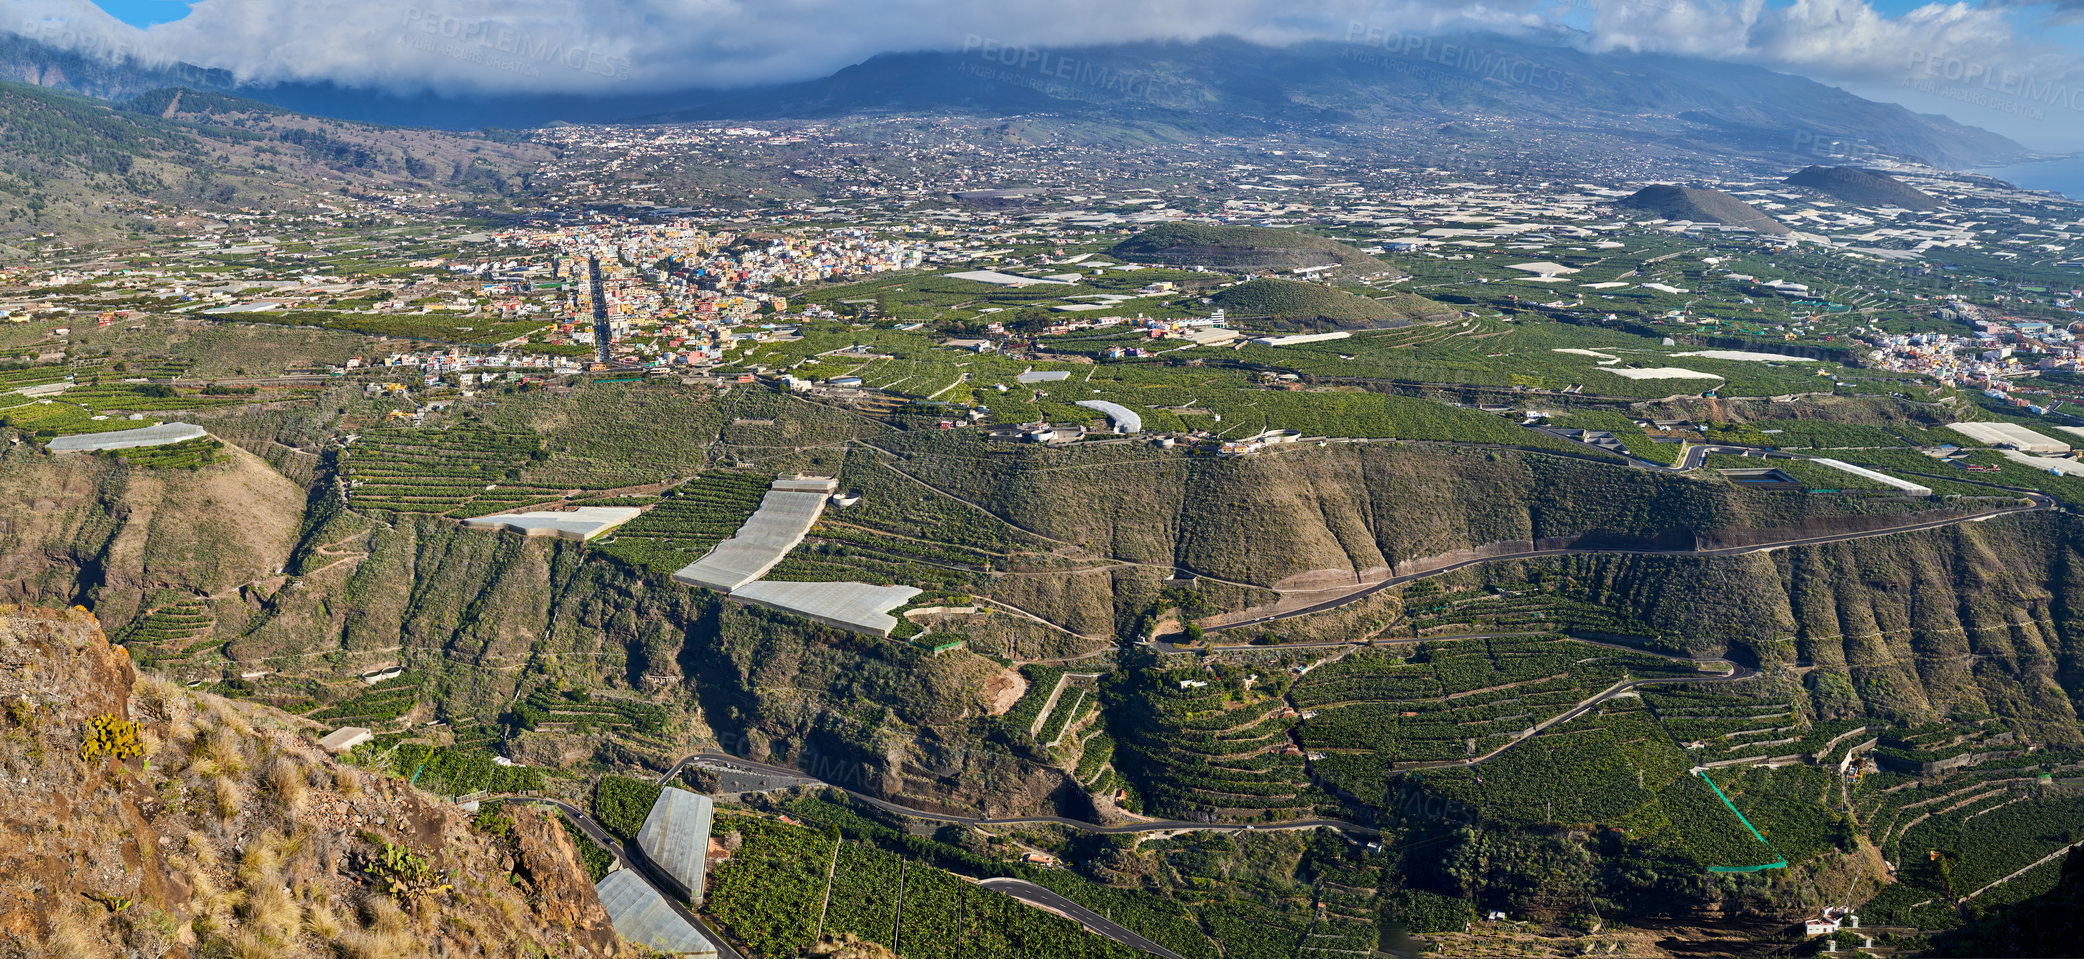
<point>1096,528</point>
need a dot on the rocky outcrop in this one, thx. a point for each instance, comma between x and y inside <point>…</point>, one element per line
<point>143,819</point>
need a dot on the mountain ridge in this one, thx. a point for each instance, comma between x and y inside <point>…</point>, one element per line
<point>1862,187</point>
<point>1221,83</point>
<point>1672,202</point>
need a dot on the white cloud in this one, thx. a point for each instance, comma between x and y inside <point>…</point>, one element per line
<point>578,46</point>
<point>1981,64</point>
<point>1835,38</point>
<point>629,46</point>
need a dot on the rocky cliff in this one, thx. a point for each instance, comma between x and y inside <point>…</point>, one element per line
<point>145,819</point>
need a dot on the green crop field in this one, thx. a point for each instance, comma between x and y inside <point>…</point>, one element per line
<point>688,520</point>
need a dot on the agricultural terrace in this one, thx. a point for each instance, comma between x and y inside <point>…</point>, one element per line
<point>169,634</point>
<point>687,520</point>
<point>1978,831</point>
<point>904,532</point>
<point>1720,284</point>
<point>1455,699</point>
<point>187,454</point>
<point>1614,767</point>
<point>1156,915</point>
<point>1196,746</point>
<point>1230,398</point>
<point>458,471</point>
<point>780,876</point>
<point>85,410</point>
<point>1540,354</point>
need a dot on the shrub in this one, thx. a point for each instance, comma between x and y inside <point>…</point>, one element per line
<point>491,822</point>
<point>1429,912</point>
<point>405,875</point>
<point>111,736</point>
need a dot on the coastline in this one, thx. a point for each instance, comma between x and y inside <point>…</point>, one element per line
<point>2063,175</point>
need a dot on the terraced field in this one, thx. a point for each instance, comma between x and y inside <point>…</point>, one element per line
<point>459,471</point>
<point>688,520</point>
<point>171,633</point>
<point>1200,751</point>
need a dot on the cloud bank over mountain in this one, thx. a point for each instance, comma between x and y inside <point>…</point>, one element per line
<point>1963,58</point>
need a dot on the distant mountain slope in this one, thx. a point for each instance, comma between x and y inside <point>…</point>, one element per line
<point>1229,84</point>
<point>1702,206</point>
<point>24,60</point>
<point>1248,248</point>
<point>69,162</point>
<point>1862,187</point>
<point>1653,104</point>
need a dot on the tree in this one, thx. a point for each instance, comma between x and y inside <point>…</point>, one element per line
<point>1030,320</point>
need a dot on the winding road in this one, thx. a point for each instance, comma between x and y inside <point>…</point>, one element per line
<point>726,761</point>
<point>631,859</point>
<point>2038,503</point>
<point>1095,923</point>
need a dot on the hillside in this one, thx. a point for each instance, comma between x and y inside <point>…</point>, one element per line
<point>1670,105</point>
<point>1862,187</point>
<point>1242,248</point>
<point>147,819</point>
<point>1224,86</point>
<point>1294,303</point>
<point>1669,202</point>
<point>25,60</point>
<point>576,657</point>
<point>464,608</point>
<point>75,164</point>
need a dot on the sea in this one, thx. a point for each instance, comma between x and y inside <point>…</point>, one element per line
<point>2064,176</point>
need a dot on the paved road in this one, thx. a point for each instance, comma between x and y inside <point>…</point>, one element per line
<point>2039,503</point>
<point>1403,641</point>
<point>1041,898</point>
<point>728,761</point>
<point>602,333</point>
<point>628,858</point>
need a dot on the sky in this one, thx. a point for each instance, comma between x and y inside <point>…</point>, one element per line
<point>2013,66</point>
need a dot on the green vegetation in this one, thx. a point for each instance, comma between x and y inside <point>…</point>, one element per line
<point>688,520</point>
<point>168,633</point>
<point>380,703</point>
<point>461,772</point>
<point>1198,743</point>
<point>1042,681</point>
<point>598,862</point>
<point>620,804</point>
<point>406,876</point>
<point>1816,478</point>
<point>767,892</point>
<point>458,471</point>
<point>1454,700</point>
<point>188,454</point>
<point>1624,428</point>
<point>579,711</point>
<point>1428,912</point>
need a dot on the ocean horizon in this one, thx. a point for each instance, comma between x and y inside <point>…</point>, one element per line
<point>2064,175</point>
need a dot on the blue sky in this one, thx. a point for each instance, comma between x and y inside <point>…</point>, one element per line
<point>144,13</point>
